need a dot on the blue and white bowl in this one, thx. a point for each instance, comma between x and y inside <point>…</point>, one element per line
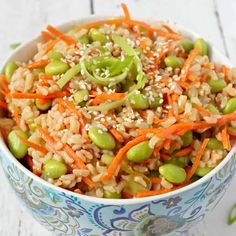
<point>67,213</point>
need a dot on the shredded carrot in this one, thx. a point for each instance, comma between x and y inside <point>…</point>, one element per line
<point>156,150</point>
<point>226,118</point>
<point>193,78</point>
<point>166,144</point>
<point>46,36</point>
<point>202,110</point>
<point>61,108</point>
<point>3,92</point>
<point>126,195</point>
<point>168,28</point>
<point>19,95</point>
<point>184,85</point>
<point>197,159</point>
<point>175,97</point>
<point>4,83</point>
<point>3,105</point>
<point>78,191</point>
<point>61,35</point>
<point>38,64</point>
<point>165,157</point>
<point>225,138</point>
<point>155,180</point>
<point>120,156</point>
<point>126,12</point>
<point>184,152</point>
<point>100,98</point>
<point>170,104</point>
<point>158,192</point>
<point>168,35</point>
<point>33,145</point>
<point>16,115</point>
<point>187,64</point>
<point>45,77</point>
<point>43,101</point>
<point>50,45</point>
<point>225,70</point>
<point>205,78</point>
<point>117,135</point>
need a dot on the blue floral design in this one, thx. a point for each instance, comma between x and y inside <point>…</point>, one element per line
<point>172,202</point>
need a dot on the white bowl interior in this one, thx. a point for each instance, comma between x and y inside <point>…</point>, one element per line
<point>26,52</point>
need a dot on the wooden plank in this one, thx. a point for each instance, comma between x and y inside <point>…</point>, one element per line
<point>227,17</point>
<point>198,15</point>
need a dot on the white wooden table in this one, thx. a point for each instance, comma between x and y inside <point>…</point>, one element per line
<point>20,20</point>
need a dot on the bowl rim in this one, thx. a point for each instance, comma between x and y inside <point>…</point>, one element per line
<point>96,200</point>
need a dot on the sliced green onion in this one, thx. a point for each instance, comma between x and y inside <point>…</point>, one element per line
<point>68,75</point>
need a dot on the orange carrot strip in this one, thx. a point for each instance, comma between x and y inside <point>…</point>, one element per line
<point>175,97</point>
<point>193,78</point>
<point>225,138</point>
<point>168,29</point>
<point>36,95</point>
<point>46,36</point>
<point>187,64</point>
<point>38,64</point>
<point>168,35</point>
<point>120,156</point>
<point>226,118</point>
<point>50,45</point>
<point>166,144</point>
<point>158,192</point>
<point>165,157</point>
<point>78,191</point>
<point>45,77</point>
<point>126,195</point>
<point>170,103</point>
<point>33,145</point>
<point>225,70</point>
<point>184,85</point>
<point>61,35</point>
<point>4,83</point>
<point>117,135</point>
<point>104,97</point>
<point>16,115</point>
<point>3,92</point>
<point>202,110</point>
<point>197,159</point>
<point>156,150</point>
<point>126,12</point>
<point>184,152</point>
<point>3,105</point>
<point>155,180</point>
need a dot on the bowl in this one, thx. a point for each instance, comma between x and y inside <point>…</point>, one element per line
<point>67,213</point>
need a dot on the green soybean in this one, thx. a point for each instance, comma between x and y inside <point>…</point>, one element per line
<point>97,35</point>
<point>133,187</point>
<point>201,43</point>
<point>113,195</point>
<point>84,39</point>
<point>43,106</point>
<point>173,61</point>
<point>179,161</point>
<point>107,159</point>
<point>214,144</point>
<point>213,109</point>
<point>102,138</point>
<point>230,106</point>
<point>202,171</point>
<point>216,85</point>
<point>139,152</point>
<point>187,138</point>
<point>9,69</point>
<point>56,68</point>
<point>81,96</point>
<point>173,173</point>
<point>138,101</point>
<point>54,169</point>
<point>187,45</point>
<point>16,146</point>
<point>54,55</point>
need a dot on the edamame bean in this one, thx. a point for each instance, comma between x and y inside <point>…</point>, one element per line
<point>56,68</point>
<point>139,152</point>
<point>214,144</point>
<point>216,85</point>
<point>173,61</point>
<point>187,45</point>
<point>138,101</point>
<point>10,68</point>
<point>232,130</point>
<point>54,169</point>
<point>80,96</point>
<point>84,39</point>
<point>43,104</point>
<point>173,173</point>
<point>54,55</point>
<point>179,161</point>
<point>201,43</point>
<point>230,106</point>
<point>202,171</point>
<point>187,138</point>
<point>133,187</point>
<point>102,138</point>
<point>212,109</point>
<point>113,195</point>
<point>97,35</point>
<point>107,159</point>
<point>16,146</point>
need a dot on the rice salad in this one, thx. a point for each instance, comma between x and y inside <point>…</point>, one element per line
<point>119,109</point>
